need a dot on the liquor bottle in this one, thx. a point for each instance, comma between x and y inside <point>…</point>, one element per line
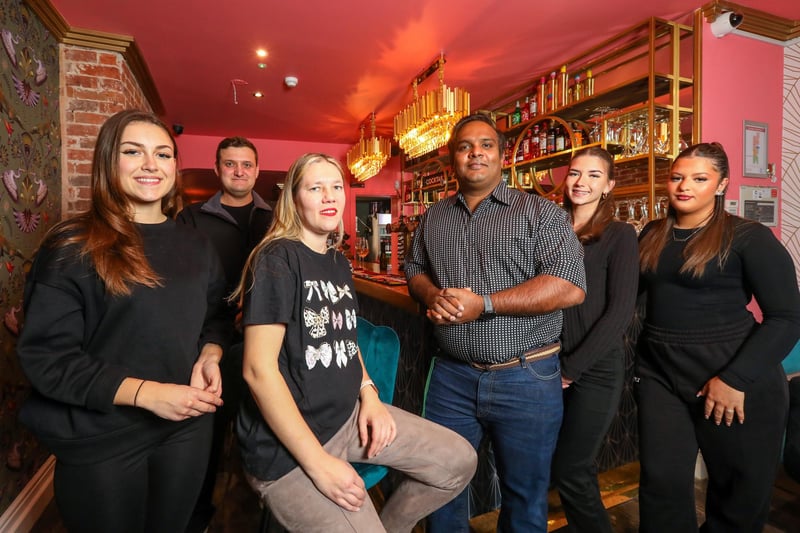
<point>567,138</point>
<point>577,89</point>
<point>532,106</point>
<point>559,138</point>
<point>525,113</point>
<point>588,84</point>
<point>526,146</point>
<point>518,155</point>
<point>516,116</point>
<point>542,100</point>
<point>551,93</point>
<point>535,151</point>
<point>563,87</point>
<point>543,140</point>
<point>578,132</point>
<point>551,137</point>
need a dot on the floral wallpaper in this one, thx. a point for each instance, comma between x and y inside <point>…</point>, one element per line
<point>30,202</point>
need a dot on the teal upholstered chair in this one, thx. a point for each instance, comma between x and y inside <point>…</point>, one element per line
<point>380,348</point>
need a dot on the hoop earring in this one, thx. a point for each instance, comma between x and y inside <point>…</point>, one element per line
<point>604,196</point>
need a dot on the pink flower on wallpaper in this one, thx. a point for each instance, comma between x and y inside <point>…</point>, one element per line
<point>25,92</point>
<point>27,221</point>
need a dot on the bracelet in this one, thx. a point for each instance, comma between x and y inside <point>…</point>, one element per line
<point>368,383</point>
<point>135,396</point>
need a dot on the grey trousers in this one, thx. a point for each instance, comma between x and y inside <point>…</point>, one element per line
<point>437,463</point>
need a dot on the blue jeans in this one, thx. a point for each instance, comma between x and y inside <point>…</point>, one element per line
<point>520,409</point>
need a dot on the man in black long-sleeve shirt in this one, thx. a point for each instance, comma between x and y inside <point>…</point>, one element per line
<point>234,219</point>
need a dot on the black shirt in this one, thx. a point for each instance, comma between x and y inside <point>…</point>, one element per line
<point>313,294</point>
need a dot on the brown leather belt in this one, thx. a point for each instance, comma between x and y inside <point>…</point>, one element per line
<point>531,355</point>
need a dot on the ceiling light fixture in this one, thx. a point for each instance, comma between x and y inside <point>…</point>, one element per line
<point>261,53</point>
<point>426,123</point>
<point>258,94</point>
<point>368,156</point>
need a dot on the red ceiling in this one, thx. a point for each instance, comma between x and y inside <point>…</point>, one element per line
<point>352,57</point>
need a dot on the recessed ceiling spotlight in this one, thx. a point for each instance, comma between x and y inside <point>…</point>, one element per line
<point>258,94</point>
<point>261,52</point>
<point>262,65</point>
<point>290,81</point>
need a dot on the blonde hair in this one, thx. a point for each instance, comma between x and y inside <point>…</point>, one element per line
<point>286,222</point>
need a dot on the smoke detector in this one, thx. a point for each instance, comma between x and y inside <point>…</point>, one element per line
<point>290,81</point>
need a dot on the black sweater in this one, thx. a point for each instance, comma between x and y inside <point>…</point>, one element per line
<point>596,327</point>
<point>758,266</point>
<point>79,343</point>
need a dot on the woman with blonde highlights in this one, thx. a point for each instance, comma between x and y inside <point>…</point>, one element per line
<point>313,408</point>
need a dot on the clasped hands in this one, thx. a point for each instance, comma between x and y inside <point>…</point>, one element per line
<point>454,306</point>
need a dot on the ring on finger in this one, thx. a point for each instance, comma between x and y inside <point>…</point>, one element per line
<point>729,410</point>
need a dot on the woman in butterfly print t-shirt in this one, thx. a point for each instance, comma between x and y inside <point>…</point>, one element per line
<point>312,409</point>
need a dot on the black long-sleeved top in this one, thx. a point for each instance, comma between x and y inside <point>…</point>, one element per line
<point>758,266</point>
<point>596,326</point>
<point>79,343</point>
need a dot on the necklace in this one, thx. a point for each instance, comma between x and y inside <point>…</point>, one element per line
<point>692,234</point>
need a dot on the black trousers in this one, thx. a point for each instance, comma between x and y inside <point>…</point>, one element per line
<point>233,389</point>
<point>151,488</point>
<point>742,460</point>
<point>590,404</point>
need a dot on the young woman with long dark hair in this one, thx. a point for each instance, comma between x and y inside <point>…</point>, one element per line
<point>122,340</point>
<point>709,376</point>
<point>592,356</point>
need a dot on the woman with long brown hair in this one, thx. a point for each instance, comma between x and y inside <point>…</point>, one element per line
<point>592,357</point>
<point>709,376</point>
<point>122,341</point>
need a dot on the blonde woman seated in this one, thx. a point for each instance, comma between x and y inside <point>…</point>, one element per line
<point>313,408</point>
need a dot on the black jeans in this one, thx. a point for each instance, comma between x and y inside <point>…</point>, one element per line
<point>151,488</point>
<point>742,459</point>
<point>590,404</point>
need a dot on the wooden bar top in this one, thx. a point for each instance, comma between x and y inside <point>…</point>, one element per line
<point>385,288</point>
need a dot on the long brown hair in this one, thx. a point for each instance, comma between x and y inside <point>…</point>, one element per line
<point>604,214</point>
<point>713,240</point>
<point>286,222</point>
<point>106,232</point>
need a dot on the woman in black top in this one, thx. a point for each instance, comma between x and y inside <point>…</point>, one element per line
<point>313,408</point>
<point>122,341</point>
<point>592,358</point>
<point>708,375</point>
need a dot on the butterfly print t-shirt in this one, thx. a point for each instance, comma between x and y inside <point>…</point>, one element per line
<point>313,295</point>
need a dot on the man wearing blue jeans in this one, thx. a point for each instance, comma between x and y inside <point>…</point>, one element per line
<point>495,266</point>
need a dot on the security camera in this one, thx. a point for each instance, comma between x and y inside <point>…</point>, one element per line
<point>726,22</point>
<point>177,128</point>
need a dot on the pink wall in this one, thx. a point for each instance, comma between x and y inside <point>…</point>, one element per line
<point>742,80</point>
<point>198,151</point>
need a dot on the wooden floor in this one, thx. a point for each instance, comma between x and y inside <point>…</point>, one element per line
<point>238,511</point>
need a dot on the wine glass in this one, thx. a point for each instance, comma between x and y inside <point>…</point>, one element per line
<point>362,249</point>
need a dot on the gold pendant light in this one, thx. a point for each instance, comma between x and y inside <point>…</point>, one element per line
<point>368,156</point>
<point>426,123</point>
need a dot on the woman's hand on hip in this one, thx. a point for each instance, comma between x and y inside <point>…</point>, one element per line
<point>723,403</point>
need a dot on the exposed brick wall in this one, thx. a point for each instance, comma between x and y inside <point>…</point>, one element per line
<point>95,84</point>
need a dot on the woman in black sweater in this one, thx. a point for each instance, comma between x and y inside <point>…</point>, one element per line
<point>708,375</point>
<point>122,342</point>
<point>592,358</point>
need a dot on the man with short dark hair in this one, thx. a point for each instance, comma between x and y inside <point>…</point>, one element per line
<point>235,219</point>
<point>495,266</point>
